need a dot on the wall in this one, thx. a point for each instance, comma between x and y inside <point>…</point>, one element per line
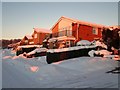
<point>35,39</point>
<point>85,33</point>
<point>74,29</point>
<point>40,38</point>
<point>55,29</point>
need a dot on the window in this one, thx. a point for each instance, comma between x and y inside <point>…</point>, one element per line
<point>26,41</point>
<point>69,32</point>
<point>67,43</point>
<point>95,31</point>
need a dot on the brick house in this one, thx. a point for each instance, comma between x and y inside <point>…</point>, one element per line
<point>27,40</point>
<point>40,34</point>
<point>72,30</point>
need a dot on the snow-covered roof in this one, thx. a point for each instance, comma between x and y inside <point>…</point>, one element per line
<point>28,36</point>
<point>61,38</point>
<point>81,22</point>
<point>65,38</point>
<point>42,30</point>
<point>29,46</point>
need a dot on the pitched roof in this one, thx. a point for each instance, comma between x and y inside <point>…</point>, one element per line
<point>81,22</point>
<point>29,37</point>
<point>42,30</point>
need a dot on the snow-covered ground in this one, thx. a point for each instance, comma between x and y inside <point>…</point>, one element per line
<point>82,72</point>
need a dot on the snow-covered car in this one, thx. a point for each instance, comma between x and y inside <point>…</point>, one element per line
<point>83,43</point>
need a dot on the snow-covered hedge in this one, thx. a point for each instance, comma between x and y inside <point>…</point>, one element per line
<point>70,49</point>
<point>37,50</point>
<point>103,53</point>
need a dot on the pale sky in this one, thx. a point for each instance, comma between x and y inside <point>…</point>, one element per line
<point>19,18</point>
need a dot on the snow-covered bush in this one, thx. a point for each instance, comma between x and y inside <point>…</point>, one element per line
<point>37,50</point>
<point>103,52</point>
<point>100,44</point>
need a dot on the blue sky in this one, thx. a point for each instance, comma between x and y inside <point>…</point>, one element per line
<point>19,19</point>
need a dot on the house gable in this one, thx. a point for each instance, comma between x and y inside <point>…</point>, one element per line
<point>62,22</point>
<point>65,24</point>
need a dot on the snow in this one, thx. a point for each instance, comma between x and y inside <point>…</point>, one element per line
<point>61,38</point>
<point>65,38</point>
<point>103,52</point>
<point>106,54</point>
<point>6,57</point>
<point>44,40</point>
<point>18,57</point>
<point>84,42</point>
<point>98,43</point>
<point>28,46</point>
<point>91,53</point>
<point>34,68</point>
<point>69,49</point>
<point>37,50</point>
<point>42,30</point>
<point>82,72</point>
<point>56,63</point>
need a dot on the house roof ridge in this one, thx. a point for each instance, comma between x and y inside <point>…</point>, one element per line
<point>85,22</point>
<point>81,22</point>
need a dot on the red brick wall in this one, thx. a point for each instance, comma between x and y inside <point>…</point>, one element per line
<point>74,30</point>
<point>40,38</point>
<point>35,39</point>
<point>85,33</point>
